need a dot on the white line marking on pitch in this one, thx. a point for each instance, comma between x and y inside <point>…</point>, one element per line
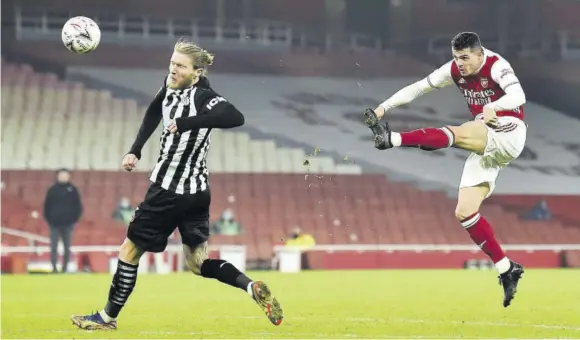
<point>473,323</point>
<point>362,320</point>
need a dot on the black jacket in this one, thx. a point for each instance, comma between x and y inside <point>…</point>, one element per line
<point>62,205</point>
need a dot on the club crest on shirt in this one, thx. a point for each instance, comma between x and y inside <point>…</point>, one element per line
<point>484,82</point>
<point>185,99</point>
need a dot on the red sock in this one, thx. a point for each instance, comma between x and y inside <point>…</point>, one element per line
<point>428,138</point>
<point>482,234</point>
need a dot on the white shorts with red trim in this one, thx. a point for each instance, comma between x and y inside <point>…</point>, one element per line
<point>504,144</point>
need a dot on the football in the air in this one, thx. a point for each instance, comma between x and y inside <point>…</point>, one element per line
<point>81,35</point>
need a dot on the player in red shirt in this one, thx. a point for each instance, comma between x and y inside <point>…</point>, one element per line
<point>495,137</point>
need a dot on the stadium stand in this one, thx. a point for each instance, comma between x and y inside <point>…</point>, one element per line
<point>268,205</point>
<point>39,109</point>
<point>566,71</point>
<point>330,200</point>
<point>309,12</point>
<point>562,207</point>
<point>298,62</point>
<point>326,112</point>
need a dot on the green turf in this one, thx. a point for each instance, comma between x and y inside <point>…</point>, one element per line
<point>331,304</point>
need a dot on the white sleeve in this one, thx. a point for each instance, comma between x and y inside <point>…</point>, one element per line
<point>503,74</point>
<point>439,78</point>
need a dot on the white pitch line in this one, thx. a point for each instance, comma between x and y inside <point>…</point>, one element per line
<point>369,320</point>
<point>373,320</point>
<point>290,334</point>
<point>487,323</point>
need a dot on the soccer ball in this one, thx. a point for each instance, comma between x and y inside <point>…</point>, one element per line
<point>81,35</point>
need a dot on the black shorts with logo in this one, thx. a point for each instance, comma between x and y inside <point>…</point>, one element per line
<point>162,211</point>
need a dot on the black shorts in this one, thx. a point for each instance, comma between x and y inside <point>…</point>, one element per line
<point>162,211</point>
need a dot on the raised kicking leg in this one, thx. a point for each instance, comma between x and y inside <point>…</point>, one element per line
<point>470,136</point>
<point>122,285</point>
<point>198,262</point>
<point>481,232</point>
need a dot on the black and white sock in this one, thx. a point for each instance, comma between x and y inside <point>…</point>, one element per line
<point>123,283</point>
<point>227,273</point>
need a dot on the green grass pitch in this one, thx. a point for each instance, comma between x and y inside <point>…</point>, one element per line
<point>323,304</point>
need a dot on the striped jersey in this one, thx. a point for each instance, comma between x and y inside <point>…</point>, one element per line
<point>181,166</point>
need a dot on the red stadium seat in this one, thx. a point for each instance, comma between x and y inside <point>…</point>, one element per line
<point>269,206</point>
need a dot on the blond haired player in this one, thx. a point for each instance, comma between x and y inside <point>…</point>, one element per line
<point>179,195</point>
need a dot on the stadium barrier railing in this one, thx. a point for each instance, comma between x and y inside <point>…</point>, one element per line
<point>41,23</point>
<point>102,258</point>
<point>411,256</point>
<point>291,259</point>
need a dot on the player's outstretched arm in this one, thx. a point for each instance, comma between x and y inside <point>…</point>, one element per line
<point>436,80</point>
<point>215,112</point>
<point>149,125</point>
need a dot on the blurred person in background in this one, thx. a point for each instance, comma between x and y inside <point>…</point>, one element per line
<point>227,225</point>
<point>539,212</point>
<point>303,241</point>
<point>62,210</point>
<point>124,211</point>
<point>296,239</point>
<point>300,239</point>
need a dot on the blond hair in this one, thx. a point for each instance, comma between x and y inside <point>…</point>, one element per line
<point>200,58</point>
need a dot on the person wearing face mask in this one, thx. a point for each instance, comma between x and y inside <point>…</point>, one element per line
<point>62,210</point>
<point>124,211</point>
<point>227,225</point>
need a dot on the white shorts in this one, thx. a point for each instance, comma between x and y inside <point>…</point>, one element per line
<point>504,144</point>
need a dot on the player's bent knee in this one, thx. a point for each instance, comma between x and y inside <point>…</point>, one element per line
<point>129,252</point>
<point>470,199</point>
<point>195,257</point>
<point>466,209</point>
<point>463,212</point>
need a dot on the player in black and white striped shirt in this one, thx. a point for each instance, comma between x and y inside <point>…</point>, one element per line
<point>188,116</point>
<point>179,196</point>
